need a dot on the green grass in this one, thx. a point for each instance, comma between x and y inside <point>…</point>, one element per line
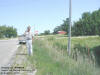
<point>90,42</point>
<point>49,61</point>
<point>82,48</point>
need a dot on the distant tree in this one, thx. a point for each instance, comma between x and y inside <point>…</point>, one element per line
<point>89,24</point>
<point>65,25</point>
<point>7,31</point>
<point>62,27</point>
<point>96,21</point>
<point>83,26</point>
<point>11,32</point>
<point>46,32</point>
<point>58,28</point>
<point>1,35</point>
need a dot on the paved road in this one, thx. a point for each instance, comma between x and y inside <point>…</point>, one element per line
<point>7,49</point>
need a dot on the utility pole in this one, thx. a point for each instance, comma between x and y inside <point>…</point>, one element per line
<point>69,34</point>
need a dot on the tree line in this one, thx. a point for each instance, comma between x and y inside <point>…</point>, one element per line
<point>7,31</point>
<point>88,24</point>
<point>46,32</point>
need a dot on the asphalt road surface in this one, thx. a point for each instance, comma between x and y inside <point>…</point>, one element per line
<point>7,49</point>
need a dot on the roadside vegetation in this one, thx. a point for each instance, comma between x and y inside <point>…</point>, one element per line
<point>82,48</point>
<point>50,56</point>
<point>87,25</point>
<point>20,64</point>
<point>7,32</point>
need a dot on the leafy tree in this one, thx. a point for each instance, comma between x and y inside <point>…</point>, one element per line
<point>62,27</point>
<point>58,28</point>
<point>46,32</point>
<point>7,32</point>
<point>88,24</point>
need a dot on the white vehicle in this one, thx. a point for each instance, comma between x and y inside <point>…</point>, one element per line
<point>22,39</point>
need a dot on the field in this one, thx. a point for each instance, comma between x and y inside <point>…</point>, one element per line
<point>50,55</point>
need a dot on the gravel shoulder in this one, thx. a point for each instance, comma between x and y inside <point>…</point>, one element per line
<point>19,64</point>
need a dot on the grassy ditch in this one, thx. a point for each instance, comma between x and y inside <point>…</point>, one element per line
<point>50,61</point>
